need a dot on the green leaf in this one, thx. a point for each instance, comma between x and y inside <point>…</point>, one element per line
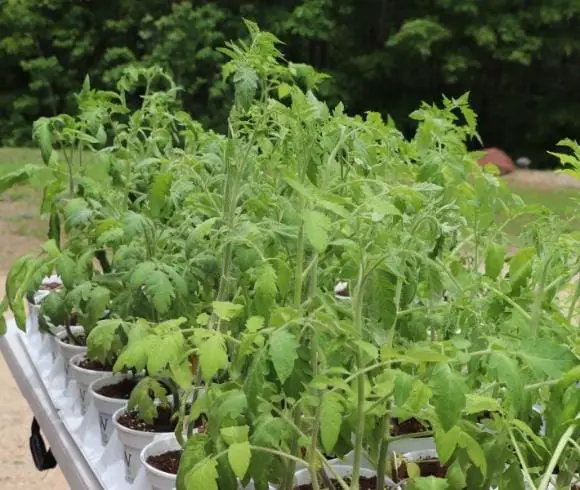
<point>480,403</point>
<point>255,323</point>
<point>158,192</point>
<point>507,371</point>
<point>16,285</point>
<point>141,274</point>
<point>99,300</point>
<point>102,338</point>
<point>143,398</point>
<point>316,227</point>
<point>446,443</point>
<point>474,452</point>
<point>212,356</point>
<point>135,354</point>
<point>193,453</point>
<point>160,290</point>
<point>246,83</point>
<point>455,476</point>
<point>283,352</point>
<point>51,248</point>
<point>66,268</point>
<point>42,135</point>
<point>265,290</point>
<point>547,357</point>
<point>168,349</point>
<point>424,355</point>
<point>235,434</point>
<point>448,395</point>
<point>227,311</point>
<point>181,373</point>
<point>12,179</point>
<point>203,475</point>
<point>494,260</point>
<point>239,456</point>
<point>428,483</point>
<point>331,412</point>
<point>521,267</point>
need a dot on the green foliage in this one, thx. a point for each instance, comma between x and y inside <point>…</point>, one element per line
<point>216,258</point>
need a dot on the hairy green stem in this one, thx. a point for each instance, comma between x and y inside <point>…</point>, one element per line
<point>360,419</point>
<point>520,456</point>
<point>382,456</point>
<point>556,456</point>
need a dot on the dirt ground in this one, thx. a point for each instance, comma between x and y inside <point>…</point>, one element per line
<point>17,468</point>
<point>538,179</point>
<point>19,232</point>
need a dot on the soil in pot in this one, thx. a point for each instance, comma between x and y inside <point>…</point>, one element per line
<point>80,339</point>
<point>409,426</point>
<point>94,365</point>
<point>365,483</point>
<point>428,467</point>
<point>164,422</point>
<point>119,391</point>
<point>167,462</point>
<point>50,286</point>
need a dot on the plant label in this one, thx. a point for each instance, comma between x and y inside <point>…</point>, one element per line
<point>84,399</point>
<point>106,427</point>
<point>132,463</point>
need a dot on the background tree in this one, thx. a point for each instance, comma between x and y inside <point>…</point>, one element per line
<point>518,58</point>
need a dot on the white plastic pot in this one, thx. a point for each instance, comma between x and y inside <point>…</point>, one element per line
<point>158,479</point>
<point>33,314</point>
<point>302,477</point>
<point>411,444</point>
<point>134,441</point>
<point>106,406</point>
<point>339,288</point>
<point>68,351</point>
<point>53,346</point>
<point>84,378</point>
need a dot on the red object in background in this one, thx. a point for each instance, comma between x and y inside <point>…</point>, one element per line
<point>498,158</point>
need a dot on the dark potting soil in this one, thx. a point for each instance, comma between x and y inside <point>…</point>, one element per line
<point>164,422</point>
<point>485,415</point>
<point>120,391</point>
<point>50,286</point>
<point>167,462</point>
<point>81,339</point>
<point>410,426</point>
<point>364,482</point>
<point>430,467</point>
<point>94,365</point>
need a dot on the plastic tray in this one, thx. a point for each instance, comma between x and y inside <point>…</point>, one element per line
<point>74,439</point>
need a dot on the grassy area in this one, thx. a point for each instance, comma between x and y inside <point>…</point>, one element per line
<point>19,219</point>
<point>562,201</point>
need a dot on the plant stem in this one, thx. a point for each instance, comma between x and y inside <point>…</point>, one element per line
<point>556,456</point>
<point>360,420</point>
<point>383,446</point>
<point>574,301</point>
<point>527,475</point>
<point>505,297</point>
<point>539,298</point>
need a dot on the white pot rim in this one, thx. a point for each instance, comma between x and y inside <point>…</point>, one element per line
<point>63,333</point>
<point>75,367</point>
<point>345,470</point>
<point>127,430</point>
<point>110,380</point>
<point>169,437</point>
